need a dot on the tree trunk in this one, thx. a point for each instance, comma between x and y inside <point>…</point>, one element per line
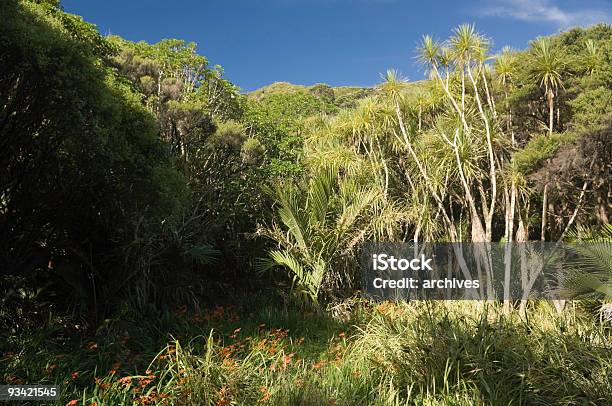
<point>544,213</point>
<point>551,114</point>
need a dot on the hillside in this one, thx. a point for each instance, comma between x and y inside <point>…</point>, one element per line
<point>341,96</point>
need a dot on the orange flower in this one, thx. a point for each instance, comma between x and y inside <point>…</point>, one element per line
<point>223,400</point>
<point>145,399</point>
<point>266,393</point>
<point>125,381</point>
<point>287,359</point>
<point>319,364</point>
<point>115,368</point>
<point>75,374</point>
<point>73,402</point>
<point>14,380</point>
<point>342,335</point>
<point>102,384</point>
<point>92,346</point>
<point>235,332</point>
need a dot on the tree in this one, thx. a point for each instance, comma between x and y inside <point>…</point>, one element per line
<point>505,69</point>
<point>81,160</point>
<point>548,67</point>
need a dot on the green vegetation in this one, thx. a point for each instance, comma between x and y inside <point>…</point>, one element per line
<point>166,239</point>
<point>426,353</point>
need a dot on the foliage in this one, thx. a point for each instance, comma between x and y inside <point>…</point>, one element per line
<point>321,224</point>
<point>81,160</point>
<point>538,149</point>
<point>135,177</point>
<point>467,353</point>
<point>589,277</point>
<point>277,121</point>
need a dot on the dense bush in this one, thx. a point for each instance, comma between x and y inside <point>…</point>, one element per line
<point>81,160</point>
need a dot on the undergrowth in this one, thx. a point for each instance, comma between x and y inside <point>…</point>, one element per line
<point>455,353</point>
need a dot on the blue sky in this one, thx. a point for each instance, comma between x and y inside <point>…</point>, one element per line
<point>339,42</point>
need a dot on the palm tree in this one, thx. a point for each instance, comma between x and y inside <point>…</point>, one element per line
<point>588,274</point>
<point>505,68</point>
<point>549,64</point>
<point>318,226</point>
<point>463,43</point>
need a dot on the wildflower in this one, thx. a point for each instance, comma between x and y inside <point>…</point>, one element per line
<point>223,401</point>
<point>236,331</point>
<point>287,359</point>
<point>145,399</point>
<point>342,335</point>
<point>75,374</point>
<point>73,402</point>
<point>14,380</point>
<point>102,384</point>
<point>125,381</point>
<point>319,364</point>
<point>92,346</point>
<point>266,393</point>
<point>115,368</point>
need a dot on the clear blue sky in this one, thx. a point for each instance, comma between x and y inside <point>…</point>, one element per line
<point>339,42</point>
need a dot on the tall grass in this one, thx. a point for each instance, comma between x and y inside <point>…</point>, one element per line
<point>457,353</point>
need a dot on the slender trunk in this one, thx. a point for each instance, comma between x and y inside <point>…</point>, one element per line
<point>385,168</point>
<point>521,238</point>
<point>492,174</point>
<point>445,86</point>
<point>551,115</point>
<point>451,226</point>
<point>462,90</point>
<point>508,250</point>
<point>490,99</point>
<point>544,213</point>
<point>509,110</point>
